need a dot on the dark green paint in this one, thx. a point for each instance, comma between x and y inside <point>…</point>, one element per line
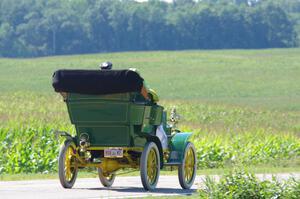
<point>177,145</point>
<point>114,120</point>
<point>122,120</point>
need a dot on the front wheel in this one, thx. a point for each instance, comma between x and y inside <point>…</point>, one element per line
<point>106,180</point>
<point>150,166</point>
<point>187,170</point>
<point>67,168</point>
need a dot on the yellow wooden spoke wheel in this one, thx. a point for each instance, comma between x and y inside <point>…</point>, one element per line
<point>106,179</point>
<point>187,170</point>
<point>150,166</point>
<point>67,167</point>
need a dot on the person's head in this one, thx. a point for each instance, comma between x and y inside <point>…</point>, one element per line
<point>106,65</point>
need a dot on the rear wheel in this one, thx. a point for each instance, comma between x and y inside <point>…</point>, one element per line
<point>187,170</point>
<point>67,168</point>
<point>150,166</point>
<point>106,179</point>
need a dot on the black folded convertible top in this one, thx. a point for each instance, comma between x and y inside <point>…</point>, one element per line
<point>97,82</point>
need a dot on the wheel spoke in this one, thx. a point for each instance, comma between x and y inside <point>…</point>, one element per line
<point>69,170</point>
<point>151,166</point>
<point>189,165</point>
<point>67,166</point>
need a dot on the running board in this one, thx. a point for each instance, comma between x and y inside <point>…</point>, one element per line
<point>172,164</point>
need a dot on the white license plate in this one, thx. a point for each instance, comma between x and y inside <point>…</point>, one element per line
<point>113,152</point>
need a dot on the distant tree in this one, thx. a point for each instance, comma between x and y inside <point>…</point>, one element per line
<point>99,27</point>
<point>6,37</point>
<point>13,15</point>
<point>50,27</point>
<point>183,2</point>
<point>30,34</point>
<point>233,28</point>
<point>280,29</point>
<point>156,32</point>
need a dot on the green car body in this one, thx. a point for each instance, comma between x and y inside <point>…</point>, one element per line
<point>122,120</point>
<point>119,125</point>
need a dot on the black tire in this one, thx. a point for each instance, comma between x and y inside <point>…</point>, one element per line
<point>106,181</point>
<point>188,168</point>
<point>67,173</point>
<point>150,166</point>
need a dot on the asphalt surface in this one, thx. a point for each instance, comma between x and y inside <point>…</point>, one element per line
<point>123,187</point>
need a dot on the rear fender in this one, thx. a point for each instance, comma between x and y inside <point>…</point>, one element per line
<point>177,146</point>
<point>152,138</point>
<point>67,136</point>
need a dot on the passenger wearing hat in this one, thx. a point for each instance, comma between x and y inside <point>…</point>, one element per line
<point>146,92</point>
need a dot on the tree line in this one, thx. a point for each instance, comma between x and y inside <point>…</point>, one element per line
<point>30,28</point>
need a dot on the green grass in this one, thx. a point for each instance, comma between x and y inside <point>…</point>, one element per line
<point>35,150</point>
<point>243,105</point>
<point>224,136</point>
<point>242,184</point>
<point>264,78</point>
<point>35,109</point>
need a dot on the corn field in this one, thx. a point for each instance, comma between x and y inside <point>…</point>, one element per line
<point>223,136</point>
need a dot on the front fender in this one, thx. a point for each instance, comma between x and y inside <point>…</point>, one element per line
<point>177,146</point>
<point>67,136</point>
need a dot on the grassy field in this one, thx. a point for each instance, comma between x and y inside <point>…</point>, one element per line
<point>243,105</point>
<point>264,78</point>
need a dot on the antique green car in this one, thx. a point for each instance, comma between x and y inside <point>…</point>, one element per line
<point>118,127</point>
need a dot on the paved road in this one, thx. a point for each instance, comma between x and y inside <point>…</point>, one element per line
<point>91,188</point>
